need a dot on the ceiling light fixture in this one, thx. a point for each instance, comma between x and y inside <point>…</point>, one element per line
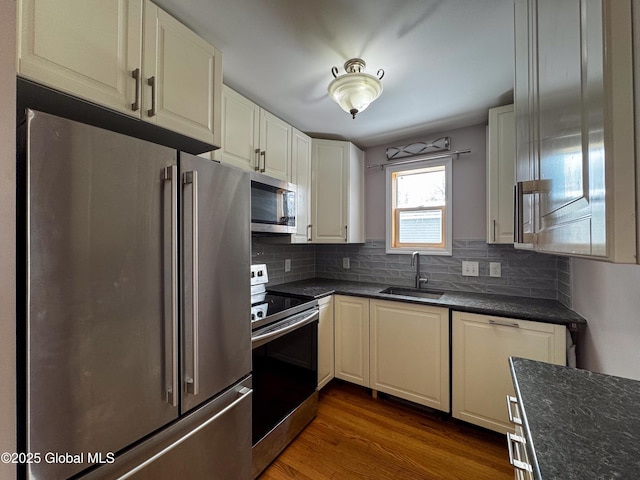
<point>355,90</point>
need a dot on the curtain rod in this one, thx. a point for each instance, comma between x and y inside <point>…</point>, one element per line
<point>457,153</point>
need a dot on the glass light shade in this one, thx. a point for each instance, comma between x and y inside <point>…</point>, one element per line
<point>355,91</point>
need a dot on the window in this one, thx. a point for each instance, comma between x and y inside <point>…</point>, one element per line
<point>419,207</point>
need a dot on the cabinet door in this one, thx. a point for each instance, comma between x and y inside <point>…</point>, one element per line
<point>573,96</point>
<point>326,365</point>
<point>275,146</point>
<point>569,90</point>
<point>410,352</point>
<point>240,131</point>
<point>481,347</point>
<point>301,176</point>
<point>355,196</point>
<point>500,174</point>
<point>329,178</point>
<point>182,78</point>
<point>352,339</point>
<point>524,107</point>
<point>85,48</point>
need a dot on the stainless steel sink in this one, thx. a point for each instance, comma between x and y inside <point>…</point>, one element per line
<point>413,292</point>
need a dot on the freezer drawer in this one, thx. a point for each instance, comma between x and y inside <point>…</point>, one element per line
<point>211,443</point>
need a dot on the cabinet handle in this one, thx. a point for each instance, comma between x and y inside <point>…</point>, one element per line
<point>309,233</point>
<point>135,106</point>
<point>504,324</point>
<point>257,167</point>
<point>263,154</point>
<point>512,439</point>
<point>152,83</point>
<point>521,189</point>
<point>494,230</point>
<point>513,401</point>
<point>346,233</point>
<point>518,227</point>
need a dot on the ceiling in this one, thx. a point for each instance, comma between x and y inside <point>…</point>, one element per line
<point>446,62</point>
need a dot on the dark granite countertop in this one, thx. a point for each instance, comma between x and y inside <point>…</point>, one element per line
<point>578,424</point>
<point>542,310</point>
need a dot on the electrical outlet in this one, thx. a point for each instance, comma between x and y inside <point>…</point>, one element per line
<point>470,269</point>
<point>287,264</point>
<point>495,269</point>
<point>345,263</point>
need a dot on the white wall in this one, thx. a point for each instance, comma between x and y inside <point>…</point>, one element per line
<point>469,185</point>
<point>608,296</point>
<point>7,234</point>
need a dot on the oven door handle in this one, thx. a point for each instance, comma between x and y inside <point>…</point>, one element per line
<point>305,318</point>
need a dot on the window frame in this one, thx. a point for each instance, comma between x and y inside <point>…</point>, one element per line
<point>444,248</point>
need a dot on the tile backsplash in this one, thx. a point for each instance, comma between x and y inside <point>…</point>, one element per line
<point>303,260</point>
<point>523,273</point>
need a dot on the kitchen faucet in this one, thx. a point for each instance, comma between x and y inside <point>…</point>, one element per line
<point>415,260</point>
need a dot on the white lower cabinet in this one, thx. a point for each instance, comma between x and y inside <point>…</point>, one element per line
<point>326,365</point>
<point>393,347</point>
<point>352,339</point>
<point>481,347</point>
<point>409,352</point>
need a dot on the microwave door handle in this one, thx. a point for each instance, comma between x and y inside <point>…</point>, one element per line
<point>193,383</point>
<point>171,174</point>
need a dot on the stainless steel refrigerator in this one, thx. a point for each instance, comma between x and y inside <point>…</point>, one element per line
<point>136,337</point>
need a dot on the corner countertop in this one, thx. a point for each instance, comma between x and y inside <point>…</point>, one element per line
<point>578,424</point>
<point>536,309</point>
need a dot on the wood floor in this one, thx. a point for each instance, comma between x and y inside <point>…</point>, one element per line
<point>357,436</point>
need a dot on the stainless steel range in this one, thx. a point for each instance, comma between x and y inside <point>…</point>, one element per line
<point>284,337</point>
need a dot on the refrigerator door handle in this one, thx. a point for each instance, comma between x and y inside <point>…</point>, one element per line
<point>193,386</point>
<point>170,174</point>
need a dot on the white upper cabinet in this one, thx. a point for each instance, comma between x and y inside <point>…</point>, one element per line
<point>574,128</point>
<point>127,55</point>
<point>254,139</point>
<point>85,48</point>
<point>181,78</point>
<point>301,176</point>
<point>275,146</point>
<point>240,131</point>
<point>501,159</point>
<point>337,192</point>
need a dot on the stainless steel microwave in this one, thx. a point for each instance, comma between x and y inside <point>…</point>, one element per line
<point>273,205</point>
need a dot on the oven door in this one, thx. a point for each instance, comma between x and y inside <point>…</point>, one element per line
<point>285,369</point>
